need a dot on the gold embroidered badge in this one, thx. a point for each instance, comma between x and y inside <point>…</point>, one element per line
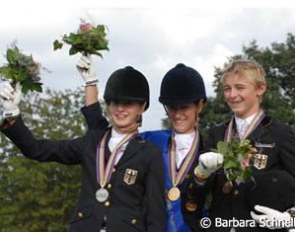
<point>130,176</point>
<point>260,161</point>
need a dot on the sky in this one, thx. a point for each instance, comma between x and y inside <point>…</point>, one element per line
<point>152,36</point>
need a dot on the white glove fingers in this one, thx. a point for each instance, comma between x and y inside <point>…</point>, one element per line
<point>264,209</point>
<point>219,159</point>
<point>8,86</point>
<point>17,96</point>
<point>86,59</point>
<point>257,217</point>
<point>6,91</point>
<point>204,161</point>
<point>6,94</point>
<point>209,160</point>
<point>83,65</point>
<point>18,87</point>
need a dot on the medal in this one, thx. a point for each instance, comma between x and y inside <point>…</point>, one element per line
<point>102,195</point>
<point>191,206</point>
<point>173,194</point>
<point>227,187</point>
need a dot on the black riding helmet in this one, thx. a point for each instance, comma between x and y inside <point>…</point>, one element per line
<point>127,84</point>
<point>182,85</point>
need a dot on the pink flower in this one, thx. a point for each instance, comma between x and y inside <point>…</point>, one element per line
<point>244,163</point>
<point>85,27</point>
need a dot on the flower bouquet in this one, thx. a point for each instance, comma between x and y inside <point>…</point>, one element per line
<point>23,69</point>
<point>88,39</point>
<point>238,156</point>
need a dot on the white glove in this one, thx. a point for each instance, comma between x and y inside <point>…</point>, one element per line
<point>86,70</point>
<point>271,218</point>
<point>10,99</point>
<point>6,90</point>
<point>209,163</point>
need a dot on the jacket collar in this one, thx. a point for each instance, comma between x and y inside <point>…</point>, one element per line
<point>266,121</point>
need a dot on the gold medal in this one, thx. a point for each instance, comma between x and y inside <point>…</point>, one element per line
<point>174,194</point>
<point>191,206</point>
<point>227,187</point>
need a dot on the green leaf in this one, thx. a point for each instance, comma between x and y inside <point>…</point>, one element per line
<point>26,86</point>
<point>5,71</point>
<point>57,45</point>
<point>246,174</point>
<point>97,53</point>
<point>73,51</point>
<point>231,164</point>
<point>37,87</point>
<point>12,55</point>
<point>222,147</point>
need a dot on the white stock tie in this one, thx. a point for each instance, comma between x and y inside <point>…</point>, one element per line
<point>242,130</point>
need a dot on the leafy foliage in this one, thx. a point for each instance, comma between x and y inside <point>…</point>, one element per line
<point>237,155</point>
<point>41,196</point>
<point>23,69</point>
<point>88,39</point>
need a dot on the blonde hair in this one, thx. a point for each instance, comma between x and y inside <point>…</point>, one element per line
<point>246,68</point>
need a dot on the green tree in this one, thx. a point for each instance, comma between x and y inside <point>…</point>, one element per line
<point>37,196</point>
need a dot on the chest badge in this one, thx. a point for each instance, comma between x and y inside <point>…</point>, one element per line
<point>260,161</point>
<point>130,176</point>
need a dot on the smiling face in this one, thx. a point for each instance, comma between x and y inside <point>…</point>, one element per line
<point>183,118</point>
<point>242,95</point>
<point>125,115</point>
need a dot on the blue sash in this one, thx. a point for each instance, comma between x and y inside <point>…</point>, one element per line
<point>175,221</point>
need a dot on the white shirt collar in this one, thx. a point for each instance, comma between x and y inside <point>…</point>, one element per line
<point>183,144</point>
<point>115,139</point>
<point>247,120</point>
<point>242,124</point>
<point>115,134</point>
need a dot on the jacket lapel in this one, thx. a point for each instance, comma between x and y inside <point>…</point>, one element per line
<point>260,129</point>
<point>133,146</point>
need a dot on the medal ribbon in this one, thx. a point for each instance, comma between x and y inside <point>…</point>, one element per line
<point>104,173</point>
<point>229,133</point>
<point>177,177</point>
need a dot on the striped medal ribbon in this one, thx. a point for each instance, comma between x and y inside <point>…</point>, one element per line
<point>177,177</point>
<point>229,133</point>
<point>104,172</point>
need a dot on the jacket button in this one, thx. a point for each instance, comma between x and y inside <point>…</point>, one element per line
<point>114,169</point>
<point>109,186</point>
<point>133,221</point>
<point>80,215</point>
<point>107,203</point>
